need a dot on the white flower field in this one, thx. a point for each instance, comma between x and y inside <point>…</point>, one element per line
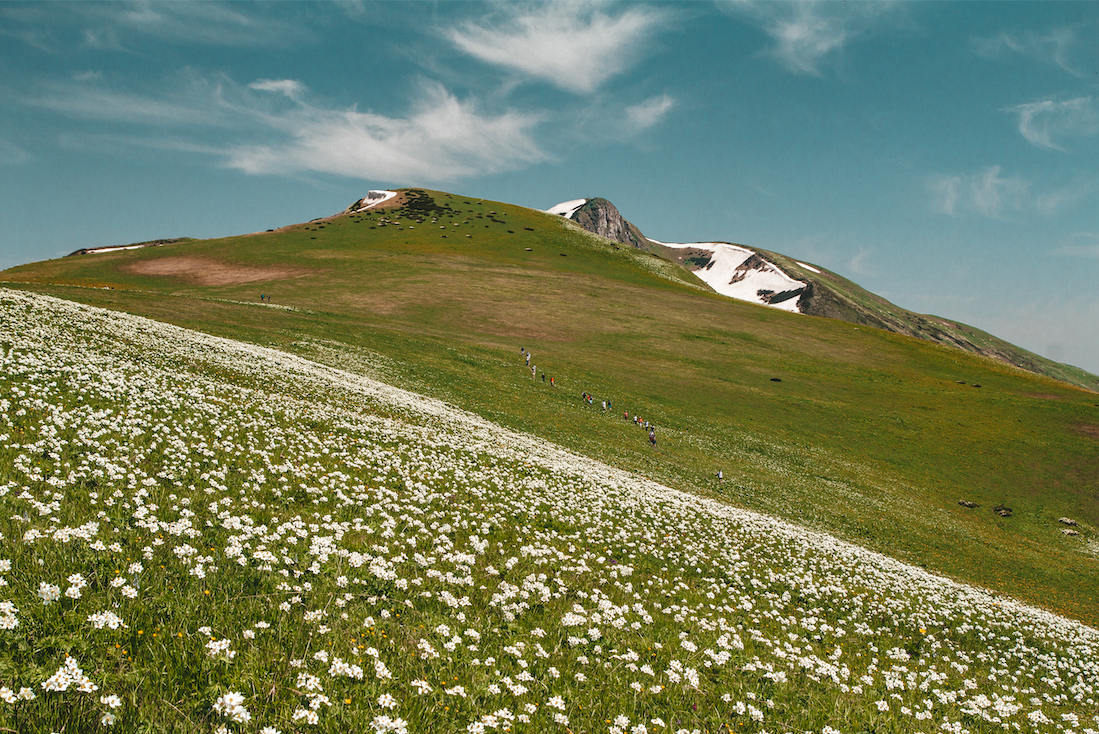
<point>204,535</point>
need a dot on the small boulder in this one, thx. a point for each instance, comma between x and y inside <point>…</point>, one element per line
<point>1002,510</point>
<point>1067,521</point>
<point>967,503</point>
<point>1069,531</point>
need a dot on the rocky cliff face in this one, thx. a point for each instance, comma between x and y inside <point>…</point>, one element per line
<point>601,217</point>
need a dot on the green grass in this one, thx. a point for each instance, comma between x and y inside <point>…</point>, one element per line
<point>868,434</point>
<point>227,539</point>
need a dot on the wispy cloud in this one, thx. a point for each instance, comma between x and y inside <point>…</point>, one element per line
<point>290,88</point>
<point>986,193</point>
<point>1060,46</point>
<point>991,194</point>
<point>641,117</point>
<point>1042,121</point>
<point>1065,197</point>
<point>443,139</point>
<point>13,155</point>
<point>807,33</point>
<point>1080,244</point>
<point>193,100</point>
<point>271,127</point>
<point>860,263</point>
<point>207,23</point>
<point>573,46</point>
<point>124,26</point>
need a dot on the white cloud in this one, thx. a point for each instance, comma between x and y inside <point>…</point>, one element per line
<point>1059,46</point>
<point>291,88</point>
<point>643,116</point>
<point>986,193</point>
<point>444,139</point>
<point>195,22</point>
<point>860,263</point>
<point>195,101</point>
<point>1050,203</point>
<point>1080,244</point>
<point>1040,122</point>
<point>253,128</point>
<point>103,38</point>
<point>990,193</point>
<point>118,26</point>
<point>806,32</point>
<point>946,190</point>
<point>574,46</point>
<point>13,155</point>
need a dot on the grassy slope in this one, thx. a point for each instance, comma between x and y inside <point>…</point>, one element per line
<point>868,434</point>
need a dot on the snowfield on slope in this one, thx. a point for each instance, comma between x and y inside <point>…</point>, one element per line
<point>727,274</point>
<point>271,544</point>
<point>98,250</point>
<point>567,208</point>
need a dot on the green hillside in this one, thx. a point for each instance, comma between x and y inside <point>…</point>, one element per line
<point>871,435</point>
<point>203,535</point>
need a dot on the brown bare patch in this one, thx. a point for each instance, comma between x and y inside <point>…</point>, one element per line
<point>1043,396</point>
<point>205,271</point>
<point>1088,429</point>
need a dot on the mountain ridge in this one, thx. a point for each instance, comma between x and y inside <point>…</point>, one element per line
<point>814,291</point>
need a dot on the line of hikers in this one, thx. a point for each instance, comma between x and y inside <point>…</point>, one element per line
<point>638,420</point>
<point>534,369</point>
<point>590,399</point>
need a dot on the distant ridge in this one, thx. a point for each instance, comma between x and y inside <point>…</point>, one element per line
<point>777,281</point>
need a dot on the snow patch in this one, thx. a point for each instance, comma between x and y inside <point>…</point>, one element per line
<point>567,208</point>
<point>373,198</point>
<point>115,249</point>
<point>730,274</point>
<point>810,268</point>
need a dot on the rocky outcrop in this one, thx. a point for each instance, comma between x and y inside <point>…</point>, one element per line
<point>602,217</point>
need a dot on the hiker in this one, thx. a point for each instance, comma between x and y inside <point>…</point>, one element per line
<point>528,359</point>
<point>625,415</point>
<point>720,475</point>
<point>652,438</point>
<point>552,383</point>
<point>604,406</point>
<point>543,377</point>
<point>534,371</point>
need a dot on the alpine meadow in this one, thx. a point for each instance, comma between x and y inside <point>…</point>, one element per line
<point>444,464</point>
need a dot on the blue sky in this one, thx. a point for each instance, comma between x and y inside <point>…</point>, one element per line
<point>943,155</point>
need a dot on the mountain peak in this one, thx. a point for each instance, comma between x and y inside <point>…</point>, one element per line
<point>602,218</point>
